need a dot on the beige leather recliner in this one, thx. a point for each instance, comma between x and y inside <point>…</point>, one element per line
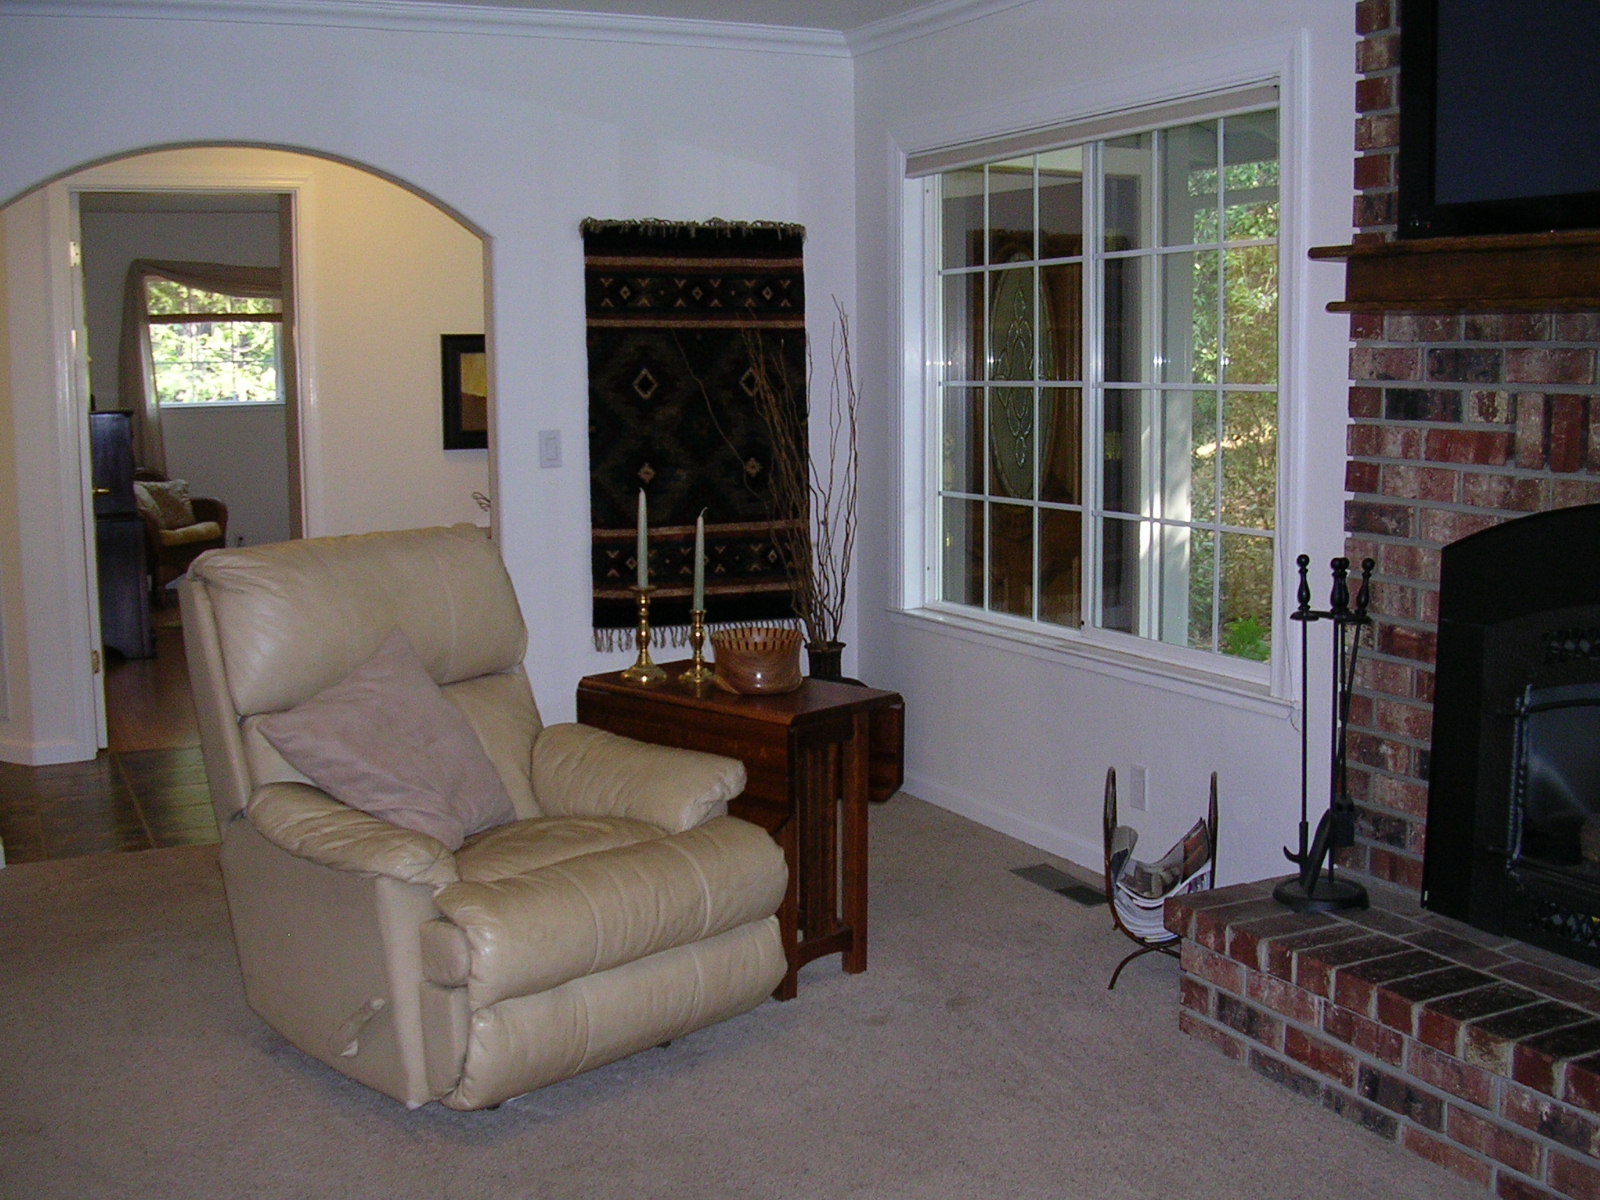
<point>622,909</point>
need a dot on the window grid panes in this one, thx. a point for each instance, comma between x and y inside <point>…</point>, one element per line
<point>210,348</point>
<point>1109,314</point>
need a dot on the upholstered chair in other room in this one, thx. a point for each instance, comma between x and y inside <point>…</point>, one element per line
<point>178,528</point>
<point>431,891</point>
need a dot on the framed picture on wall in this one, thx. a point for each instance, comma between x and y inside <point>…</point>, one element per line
<point>466,391</point>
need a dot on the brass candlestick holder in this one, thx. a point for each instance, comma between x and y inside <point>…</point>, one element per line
<point>643,669</point>
<point>698,672</point>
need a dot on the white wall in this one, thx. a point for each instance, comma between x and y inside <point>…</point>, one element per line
<point>521,136</point>
<point>1020,737</point>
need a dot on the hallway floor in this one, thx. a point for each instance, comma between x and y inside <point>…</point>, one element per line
<point>148,789</point>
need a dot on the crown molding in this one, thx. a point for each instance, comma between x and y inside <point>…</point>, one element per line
<point>438,16</point>
<point>929,19</point>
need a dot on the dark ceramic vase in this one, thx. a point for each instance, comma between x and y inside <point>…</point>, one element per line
<point>825,660</point>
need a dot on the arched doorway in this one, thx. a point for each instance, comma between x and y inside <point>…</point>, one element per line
<point>382,275</point>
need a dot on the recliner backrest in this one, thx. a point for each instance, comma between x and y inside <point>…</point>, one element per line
<point>276,624</point>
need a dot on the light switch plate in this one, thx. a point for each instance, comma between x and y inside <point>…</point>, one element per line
<point>549,447</point>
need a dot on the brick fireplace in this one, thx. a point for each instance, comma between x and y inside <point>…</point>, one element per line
<point>1473,1051</point>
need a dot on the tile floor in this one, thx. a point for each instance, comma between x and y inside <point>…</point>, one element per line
<point>147,790</point>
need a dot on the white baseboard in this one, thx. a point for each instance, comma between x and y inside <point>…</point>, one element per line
<point>1050,838</point>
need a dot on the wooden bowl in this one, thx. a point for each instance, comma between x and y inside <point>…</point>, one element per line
<point>757,659</point>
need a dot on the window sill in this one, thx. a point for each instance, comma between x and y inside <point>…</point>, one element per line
<point>1244,694</point>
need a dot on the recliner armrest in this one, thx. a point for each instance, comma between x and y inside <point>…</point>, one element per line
<point>309,823</point>
<point>581,771</point>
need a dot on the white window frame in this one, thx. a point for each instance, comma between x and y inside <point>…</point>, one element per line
<point>1273,62</point>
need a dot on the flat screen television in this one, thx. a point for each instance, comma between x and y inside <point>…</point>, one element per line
<point>1499,116</point>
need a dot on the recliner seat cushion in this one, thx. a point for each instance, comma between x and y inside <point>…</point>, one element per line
<point>531,932</point>
<point>386,741</point>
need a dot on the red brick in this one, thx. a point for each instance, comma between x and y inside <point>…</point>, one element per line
<point>1507,327</point>
<point>1576,327</point>
<point>1568,417</point>
<point>1531,420</point>
<point>1407,720</point>
<point>1550,364</point>
<point>1513,493</point>
<point>1375,92</point>
<point>1550,1119</point>
<point>1541,1062</point>
<point>1488,448</point>
<point>1412,481</point>
<point>1449,1074</point>
<point>1489,406</point>
<point>1365,1035</point>
<point>1385,520</point>
<point>1254,1024</point>
<point>1361,476</point>
<point>1377,131</point>
<point>1220,1039</point>
<point>1407,796</point>
<point>1402,869</point>
<point>1294,1003</point>
<point>1570,1177</point>
<point>1409,562</point>
<point>1365,402</point>
<point>1195,995</point>
<point>1212,967</point>
<point>1372,16</point>
<point>1385,362</point>
<point>1508,1187</point>
<point>1421,327</point>
<point>1374,208</point>
<point>1366,327</point>
<point>1322,1057</point>
<point>1402,441</point>
<point>1374,170</point>
<point>1446,525</point>
<point>1493,1140</point>
<point>1567,492</point>
<point>1452,1158</point>
<point>1378,53</point>
<point>1582,1086</point>
<point>1592,459</point>
<point>1362,440</point>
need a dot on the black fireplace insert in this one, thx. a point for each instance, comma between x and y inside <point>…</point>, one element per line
<point>1514,769</point>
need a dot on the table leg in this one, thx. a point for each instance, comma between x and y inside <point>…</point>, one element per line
<point>856,781</point>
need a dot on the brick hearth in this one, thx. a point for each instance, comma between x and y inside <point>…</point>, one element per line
<point>1478,1053</point>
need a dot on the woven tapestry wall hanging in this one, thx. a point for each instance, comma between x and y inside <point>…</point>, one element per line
<point>672,313</point>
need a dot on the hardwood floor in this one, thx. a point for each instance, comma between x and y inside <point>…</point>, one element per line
<point>147,790</point>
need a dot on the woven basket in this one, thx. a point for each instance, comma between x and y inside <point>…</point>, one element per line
<point>757,659</point>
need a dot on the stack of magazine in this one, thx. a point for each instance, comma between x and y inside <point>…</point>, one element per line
<point>1142,888</point>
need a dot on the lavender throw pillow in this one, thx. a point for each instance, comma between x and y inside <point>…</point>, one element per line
<point>385,740</point>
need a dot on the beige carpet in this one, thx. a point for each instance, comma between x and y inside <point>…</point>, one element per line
<point>980,1056</point>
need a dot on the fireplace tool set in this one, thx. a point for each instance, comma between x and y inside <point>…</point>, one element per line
<point>1313,890</point>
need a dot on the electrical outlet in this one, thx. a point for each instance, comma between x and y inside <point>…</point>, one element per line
<point>1138,796</point>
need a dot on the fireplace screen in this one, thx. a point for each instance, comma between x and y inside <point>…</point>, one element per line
<point>1514,766</point>
<point>1555,833</point>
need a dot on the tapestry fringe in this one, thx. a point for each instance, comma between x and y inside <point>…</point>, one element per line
<point>652,227</point>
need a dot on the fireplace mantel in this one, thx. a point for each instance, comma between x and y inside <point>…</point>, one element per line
<point>1535,272</point>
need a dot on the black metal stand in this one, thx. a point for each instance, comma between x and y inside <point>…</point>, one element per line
<point>1312,891</point>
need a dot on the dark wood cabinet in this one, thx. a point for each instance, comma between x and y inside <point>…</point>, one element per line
<point>814,759</point>
<point>119,538</point>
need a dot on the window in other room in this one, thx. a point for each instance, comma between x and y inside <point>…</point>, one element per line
<point>209,347</point>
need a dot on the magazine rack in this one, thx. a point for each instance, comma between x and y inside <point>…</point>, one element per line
<point>1137,891</point>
